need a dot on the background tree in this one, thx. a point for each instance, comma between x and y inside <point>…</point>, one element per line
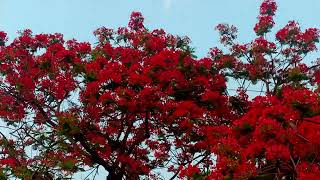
<point>275,135</point>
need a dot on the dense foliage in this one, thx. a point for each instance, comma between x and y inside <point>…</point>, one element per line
<point>139,101</point>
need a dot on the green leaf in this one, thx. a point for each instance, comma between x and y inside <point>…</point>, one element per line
<point>68,165</point>
<point>3,176</point>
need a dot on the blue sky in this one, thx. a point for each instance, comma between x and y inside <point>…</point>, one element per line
<point>195,18</point>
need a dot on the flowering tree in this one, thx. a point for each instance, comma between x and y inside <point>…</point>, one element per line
<point>140,101</point>
<point>276,135</point>
<point>135,102</point>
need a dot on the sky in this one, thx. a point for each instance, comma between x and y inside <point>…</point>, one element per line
<point>194,18</point>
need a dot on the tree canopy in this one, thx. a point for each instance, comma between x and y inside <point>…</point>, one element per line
<point>140,100</point>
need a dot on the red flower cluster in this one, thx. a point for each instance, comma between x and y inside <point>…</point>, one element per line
<point>302,42</point>
<point>227,33</point>
<point>136,21</point>
<point>3,38</point>
<point>268,7</point>
<point>265,19</point>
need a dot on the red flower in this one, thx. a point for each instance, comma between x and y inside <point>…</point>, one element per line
<point>3,38</point>
<point>268,7</point>
<point>264,25</point>
<point>136,21</point>
<point>10,161</point>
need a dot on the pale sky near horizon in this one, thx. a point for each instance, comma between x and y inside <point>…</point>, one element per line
<point>194,18</point>
<point>197,19</point>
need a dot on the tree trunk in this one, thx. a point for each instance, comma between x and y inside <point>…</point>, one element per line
<point>114,176</point>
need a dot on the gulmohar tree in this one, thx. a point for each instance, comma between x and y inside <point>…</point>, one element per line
<point>276,135</point>
<point>140,101</point>
<point>136,101</point>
